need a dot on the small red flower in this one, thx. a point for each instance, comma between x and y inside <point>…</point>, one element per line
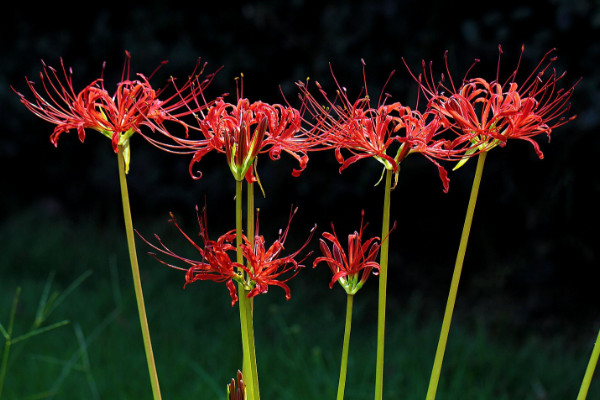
<point>134,104</point>
<point>489,113</point>
<point>353,268</point>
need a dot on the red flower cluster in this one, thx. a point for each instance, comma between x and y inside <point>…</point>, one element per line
<point>385,132</point>
<point>456,124</point>
<point>243,130</point>
<point>489,113</point>
<point>263,266</point>
<point>134,104</point>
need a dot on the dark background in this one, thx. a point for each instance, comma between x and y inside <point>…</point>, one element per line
<point>533,255</point>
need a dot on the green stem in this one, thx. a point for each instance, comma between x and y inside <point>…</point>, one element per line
<point>137,284</point>
<point>589,372</point>
<point>250,228</point>
<point>246,320</point>
<point>460,257</point>
<point>250,208</point>
<point>8,339</point>
<point>346,346</point>
<point>383,265</point>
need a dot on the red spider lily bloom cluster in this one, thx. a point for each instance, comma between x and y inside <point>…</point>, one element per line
<point>134,104</point>
<point>350,269</point>
<point>263,266</point>
<point>242,131</point>
<point>458,122</point>
<point>490,113</point>
<point>386,132</point>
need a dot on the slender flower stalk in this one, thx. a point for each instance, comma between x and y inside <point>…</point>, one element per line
<point>589,372</point>
<point>250,370</point>
<point>345,348</point>
<point>462,249</point>
<point>137,283</point>
<point>383,273</point>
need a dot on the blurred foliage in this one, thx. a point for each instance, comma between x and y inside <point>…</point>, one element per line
<point>535,236</point>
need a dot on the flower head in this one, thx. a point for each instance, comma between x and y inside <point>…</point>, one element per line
<point>386,132</point>
<point>262,266</point>
<point>357,127</point>
<point>134,104</point>
<point>351,269</point>
<point>243,130</point>
<point>489,113</point>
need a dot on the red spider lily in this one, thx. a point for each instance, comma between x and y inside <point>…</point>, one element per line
<point>265,267</point>
<point>238,131</point>
<point>357,127</point>
<point>243,130</point>
<point>490,113</point>
<point>215,263</point>
<point>133,105</point>
<point>366,131</point>
<point>350,269</point>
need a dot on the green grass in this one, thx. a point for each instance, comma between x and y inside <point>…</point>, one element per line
<point>195,332</point>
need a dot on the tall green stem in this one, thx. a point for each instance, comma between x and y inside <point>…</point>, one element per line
<point>137,284</point>
<point>246,320</point>
<point>345,347</point>
<point>589,372</point>
<point>462,249</point>
<point>383,265</point>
